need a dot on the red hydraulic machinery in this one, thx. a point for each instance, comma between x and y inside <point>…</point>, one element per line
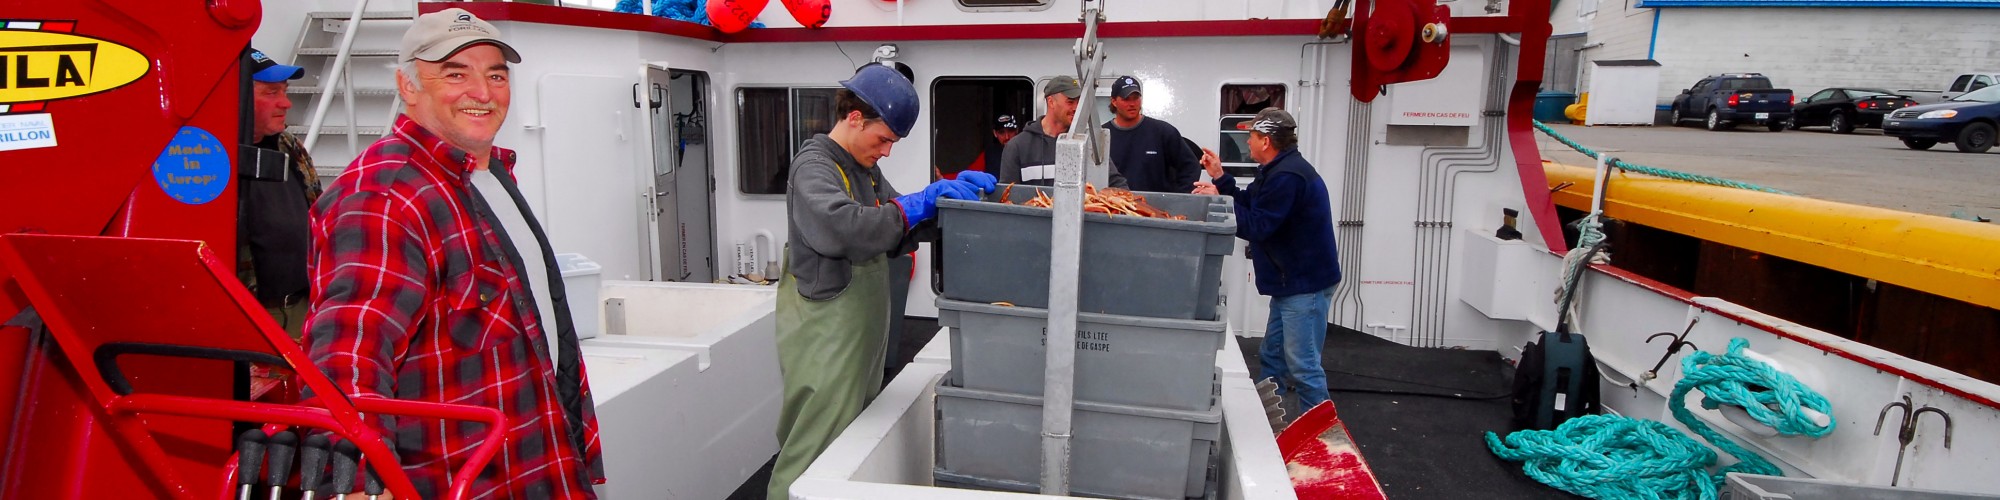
<point>126,331</point>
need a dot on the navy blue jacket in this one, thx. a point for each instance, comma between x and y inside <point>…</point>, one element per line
<point>1288,219</point>
<point>1153,157</point>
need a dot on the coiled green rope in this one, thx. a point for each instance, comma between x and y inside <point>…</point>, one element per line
<point>1654,171</point>
<point>1616,458</point>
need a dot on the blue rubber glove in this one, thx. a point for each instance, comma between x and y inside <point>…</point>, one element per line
<point>922,205</point>
<point>984,181</point>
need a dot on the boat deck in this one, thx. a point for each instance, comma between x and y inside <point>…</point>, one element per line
<point>1420,446</point>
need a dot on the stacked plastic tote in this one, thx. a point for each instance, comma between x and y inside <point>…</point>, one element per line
<point>1147,422</point>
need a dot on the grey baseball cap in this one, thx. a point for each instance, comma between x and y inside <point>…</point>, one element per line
<point>1062,84</point>
<point>1273,120</point>
<point>437,35</point>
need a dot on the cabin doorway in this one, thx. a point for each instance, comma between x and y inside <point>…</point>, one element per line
<point>683,175</point>
<point>966,108</point>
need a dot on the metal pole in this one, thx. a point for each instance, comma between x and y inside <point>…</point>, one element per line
<point>326,87</point>
<point>1074,150</point>
<point>1604,165</point>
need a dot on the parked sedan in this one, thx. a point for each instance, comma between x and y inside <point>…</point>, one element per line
<point>1966,121</point>
<point>1845,109</point>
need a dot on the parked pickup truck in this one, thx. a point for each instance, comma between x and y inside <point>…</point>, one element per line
<point>1960,85</point>
<point>1725,100</point>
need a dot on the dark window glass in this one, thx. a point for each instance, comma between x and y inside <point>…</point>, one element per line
<point>1003,3</point>
<point>1746,84</point>
<point>764,144</point>
<point>772,124</point>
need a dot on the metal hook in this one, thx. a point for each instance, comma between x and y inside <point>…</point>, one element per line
<point>1884,414</point>
<point>1904,433</point>
<point>1672,347</point>
<point>1941,414</point>
<point>1908,430</point>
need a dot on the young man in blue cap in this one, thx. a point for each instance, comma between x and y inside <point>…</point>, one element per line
<point>279,186</point>
<point>845,223</point>
<point>1149,152</point>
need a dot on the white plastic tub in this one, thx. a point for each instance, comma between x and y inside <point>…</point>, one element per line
<point>702,427</point>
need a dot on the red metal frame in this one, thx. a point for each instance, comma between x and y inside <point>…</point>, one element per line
<point>98,291</point>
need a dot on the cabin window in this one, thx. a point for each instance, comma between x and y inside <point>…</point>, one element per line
<point>773,122</point>
<point>1240,103</point>
<point>1003,5</point>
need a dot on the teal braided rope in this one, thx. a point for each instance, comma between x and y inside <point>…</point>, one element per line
<point>1617,458</point>
<point>1738,380</point>
<point>1655,171</point>
<point>1612,458</point>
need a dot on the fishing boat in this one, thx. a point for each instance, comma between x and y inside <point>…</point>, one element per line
<point>655,149</point>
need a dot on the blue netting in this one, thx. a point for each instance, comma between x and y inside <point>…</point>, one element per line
<point>692,11</point>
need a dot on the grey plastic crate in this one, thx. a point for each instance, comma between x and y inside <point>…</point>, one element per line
<point>993,439</point>
<point>1135,266</point>
<point>1759,487</point>
<point>1129,360</point>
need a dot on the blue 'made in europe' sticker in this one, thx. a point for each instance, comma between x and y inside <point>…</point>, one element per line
<point>194,169</point>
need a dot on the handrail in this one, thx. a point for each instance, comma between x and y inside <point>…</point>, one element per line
<point>339,64</point>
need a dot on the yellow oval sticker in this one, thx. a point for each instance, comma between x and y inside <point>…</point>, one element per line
<point>45,66</point>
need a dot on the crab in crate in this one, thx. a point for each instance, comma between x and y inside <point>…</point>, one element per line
<point>1108,201</point>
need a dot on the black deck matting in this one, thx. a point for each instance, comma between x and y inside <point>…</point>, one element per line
<point>1422,447</point>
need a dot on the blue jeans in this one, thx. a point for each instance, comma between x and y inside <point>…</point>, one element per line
<point>1292,343</point>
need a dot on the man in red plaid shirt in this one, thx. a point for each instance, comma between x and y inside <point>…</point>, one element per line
<point>432,281</point>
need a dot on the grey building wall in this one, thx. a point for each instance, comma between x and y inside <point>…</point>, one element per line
<point>1806,48</point>
<point>1801,48</point>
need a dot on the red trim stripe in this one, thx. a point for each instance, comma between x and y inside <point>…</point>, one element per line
<point>590,18</point>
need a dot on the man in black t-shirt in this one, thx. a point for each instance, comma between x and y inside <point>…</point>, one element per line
<point>1148,151</point>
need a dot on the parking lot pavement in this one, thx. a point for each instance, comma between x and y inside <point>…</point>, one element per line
<point>1863,168</point>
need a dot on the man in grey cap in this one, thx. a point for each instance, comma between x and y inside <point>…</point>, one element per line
<point>433,281</point>
<point>1031,157</point>
<point>1287,218</point>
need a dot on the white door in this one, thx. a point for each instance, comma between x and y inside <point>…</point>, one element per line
<point>682,210</point>
<point>590,203</point>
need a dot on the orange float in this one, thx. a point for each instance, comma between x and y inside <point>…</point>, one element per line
<point>732,16</point>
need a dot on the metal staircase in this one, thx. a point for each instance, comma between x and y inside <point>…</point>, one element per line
<point>349,57</point>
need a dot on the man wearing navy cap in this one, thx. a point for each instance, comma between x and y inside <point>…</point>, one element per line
<point>1148,151</point>
<point>278,189</point>
<point>1005,128</point>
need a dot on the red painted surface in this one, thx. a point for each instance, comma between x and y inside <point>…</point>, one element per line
<point>1529,18</point>
<point>1389,46</point>
<point>1322,459</point>
<point>61,444</point>
<point>99,291</point>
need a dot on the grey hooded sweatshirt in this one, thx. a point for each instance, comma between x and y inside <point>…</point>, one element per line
<point>1034,152</point>
<point>830,229</point>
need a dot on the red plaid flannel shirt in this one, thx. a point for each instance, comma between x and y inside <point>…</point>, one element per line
<point>414,298</point>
